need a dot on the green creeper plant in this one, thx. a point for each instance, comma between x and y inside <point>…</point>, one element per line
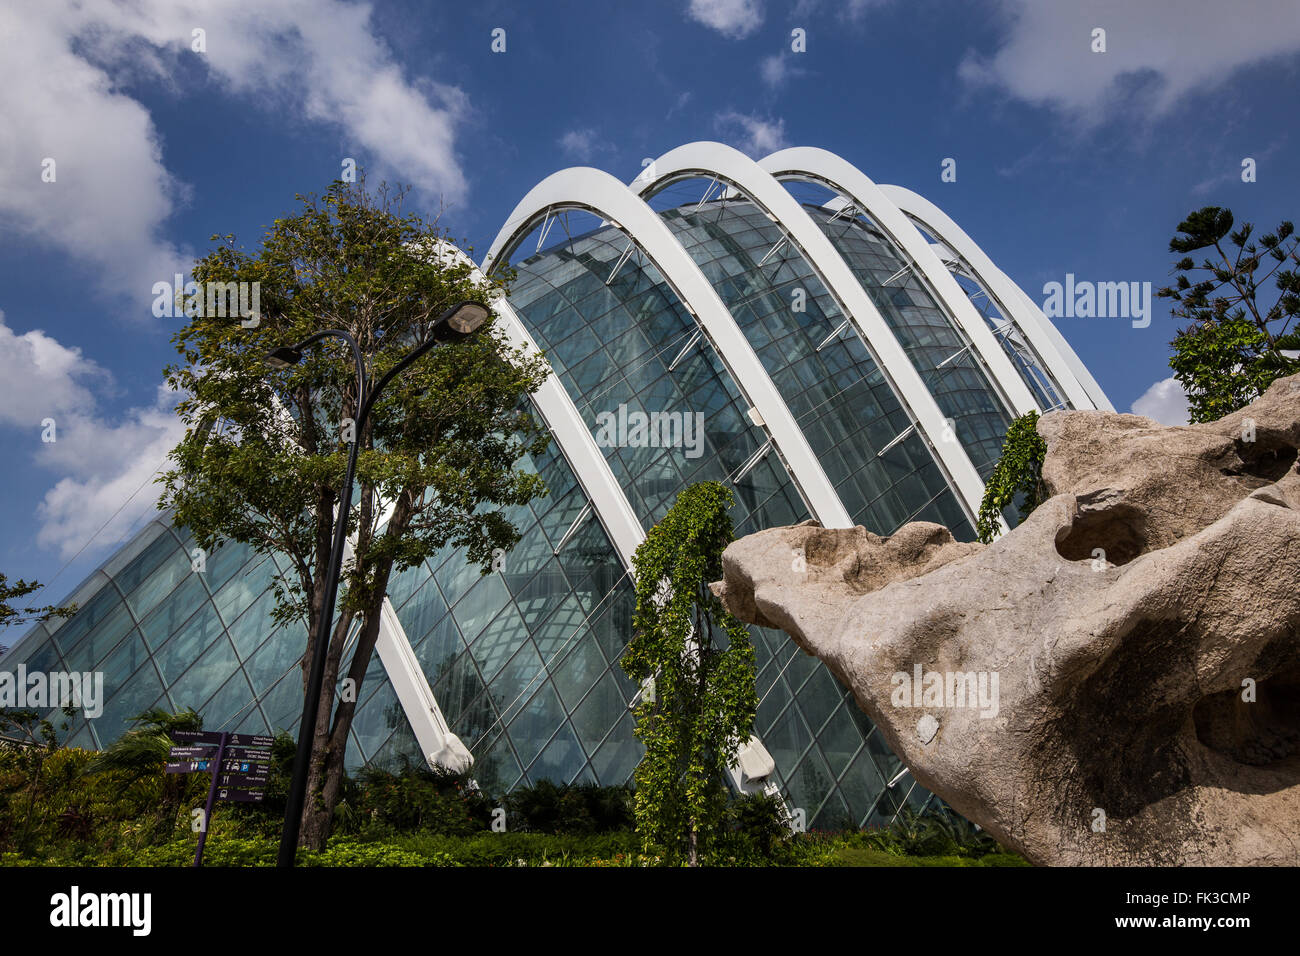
<point>696,664</point>
<point>1018,472</point>
<point>263,455</point>
<point>1235,344</point>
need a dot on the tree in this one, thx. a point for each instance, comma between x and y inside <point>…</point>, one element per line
<point>141,752</point>
<point>35,739</point>
<point>1234,347</point>
<point>699,700</point>
<point>11,616</point>
<point>264,452</point>
<point>1018,473</point>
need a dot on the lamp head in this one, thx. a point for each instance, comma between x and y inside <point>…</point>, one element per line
<point>461,320</point>
<point>283,357</point>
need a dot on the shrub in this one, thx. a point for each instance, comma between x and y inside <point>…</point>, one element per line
<point>582,809</point>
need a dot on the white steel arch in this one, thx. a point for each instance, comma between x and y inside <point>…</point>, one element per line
<point>600,193</point>
<point>820,166</point>
<point>1072,359</point>
<point>723,163</point>
<point>1016,307</point>
<point>565,423</point>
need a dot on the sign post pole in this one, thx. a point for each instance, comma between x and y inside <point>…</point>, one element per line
<point>212,799</point>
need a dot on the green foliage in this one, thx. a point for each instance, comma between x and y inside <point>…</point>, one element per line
<point>418,798</point>
<point>866,856</point>
<point>57,809</point>
<point>1232,350</point>
<point>1018,474</point>
<point>442,441</point>
<point>142,750</point>
<point>264,452</point>
<point>11,616</point>
<point>31,744</point>
<point>755,834</point>
<point>582,809</point>
<point>511,849</point>
<point>703,702</point>
<point>932,833</point>
<point>139,755</point>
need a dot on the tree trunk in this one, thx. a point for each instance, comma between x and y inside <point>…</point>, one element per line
<point>329,742</point>
<point>324,788</point>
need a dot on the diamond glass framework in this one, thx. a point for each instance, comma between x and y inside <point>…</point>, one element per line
<point>715,308</point>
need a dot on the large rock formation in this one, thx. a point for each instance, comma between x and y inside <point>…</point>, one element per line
<point>1115,681</point>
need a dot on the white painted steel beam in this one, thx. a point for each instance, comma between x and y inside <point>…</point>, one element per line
<point>819,166</point>
<point>1056,356</point>
<point>604,196</point>
<point>759,187</point>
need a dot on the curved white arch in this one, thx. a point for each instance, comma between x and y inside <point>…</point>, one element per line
<point>726,164</point>
<point>820,166</point>
<point>600,193</point>
<point>565,423</point>
<point>1070,374</point>
<point>1072,359</point>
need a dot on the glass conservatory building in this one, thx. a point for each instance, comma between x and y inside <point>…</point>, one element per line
<point>826,347</point>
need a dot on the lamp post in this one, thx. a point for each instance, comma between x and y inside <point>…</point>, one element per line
<point>460,321</point>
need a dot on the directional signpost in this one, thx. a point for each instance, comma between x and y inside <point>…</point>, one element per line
<point>240,765</point>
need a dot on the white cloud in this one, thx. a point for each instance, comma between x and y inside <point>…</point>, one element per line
<point>851,10</point>
<point>119,492</point>
<point>583,144</point>
<point>40,378</point>
<point>777,69</point>
<point>111,192</point>
<point>1165,48</point>
<point>682,99</point>
<point>103,459</point>
<point>1165,401</point>
<point>61,93</point>
<point>750,134</point>
<point>734,19</point>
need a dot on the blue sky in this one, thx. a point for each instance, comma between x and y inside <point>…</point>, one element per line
<point>1068,161</point>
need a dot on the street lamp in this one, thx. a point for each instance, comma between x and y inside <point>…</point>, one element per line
<point>460,321</point>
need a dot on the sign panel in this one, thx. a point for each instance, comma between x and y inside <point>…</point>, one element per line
<point>191,753</point>
<point>245,766</point>
<point>187,766</point>
<point>254,753</point>
<point>241,795</point>
<point>247,781</point>
<point>214,737</point>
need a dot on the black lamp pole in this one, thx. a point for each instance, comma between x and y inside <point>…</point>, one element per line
<point>459,321</point>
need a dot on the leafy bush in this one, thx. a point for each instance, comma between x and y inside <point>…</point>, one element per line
<point>69,807</point>
<point>756,820</point>
<point>414,798</point>
<point>582,809</point>
<point>935,833</point>
<point>519,849</point>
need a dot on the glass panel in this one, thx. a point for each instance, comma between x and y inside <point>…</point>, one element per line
<point>617,758</point>
<point>533,728</point>
<point>601,710</point>
<point>561,761</point>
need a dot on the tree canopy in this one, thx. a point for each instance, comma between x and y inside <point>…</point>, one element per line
<point>1235,344</point>
<point>264,451</point>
